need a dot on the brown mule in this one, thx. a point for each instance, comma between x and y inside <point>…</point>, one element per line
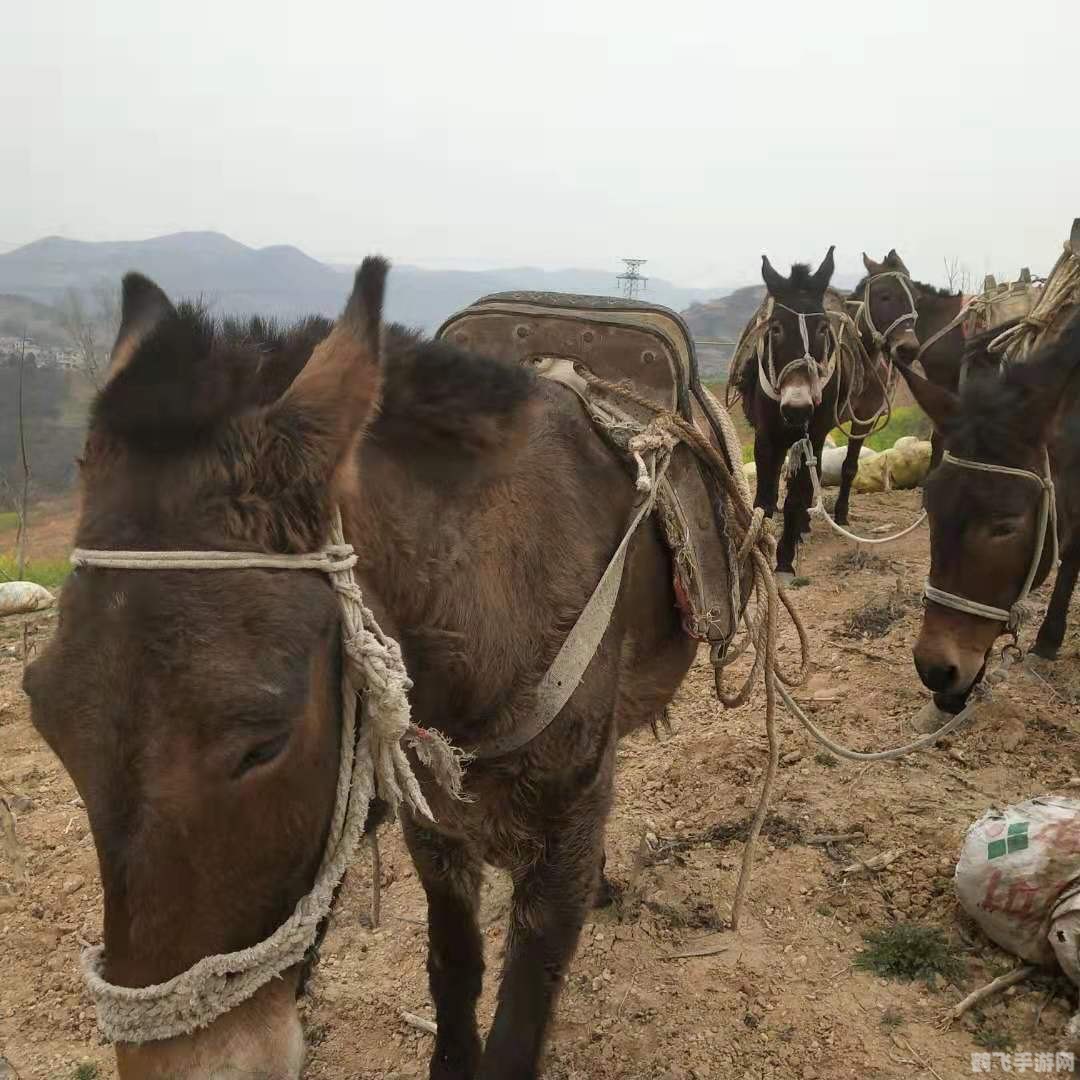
<point>886,316</point>
<point>790,399</point>
<point>985,505</point>
<point>198,713</point>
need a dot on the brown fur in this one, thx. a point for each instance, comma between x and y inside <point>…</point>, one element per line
<point>776,431</point>
<point>983,525</point>
<point>197,712</point>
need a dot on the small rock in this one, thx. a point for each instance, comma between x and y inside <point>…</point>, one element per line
<point>790,759</point>
<point>73,885</point>
<point>902,899</point>
<point>21,804</point>
<point>826,693</point>
<point>680,825</point>
<point>1074,781</point>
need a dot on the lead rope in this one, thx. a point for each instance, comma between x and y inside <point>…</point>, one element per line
<point>804,449</point>
<point>757,552</point>
<point>373,762</point>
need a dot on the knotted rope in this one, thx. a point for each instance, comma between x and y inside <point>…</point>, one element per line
<point>1062,289</point>
<point>373,762</point>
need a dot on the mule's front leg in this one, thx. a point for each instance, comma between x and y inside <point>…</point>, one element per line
<point>796,519</point>
<point>451,874</point>
<point>1052,632</point>
<point>768,462</point>
<point>551,898</point>
<point>847,476</point>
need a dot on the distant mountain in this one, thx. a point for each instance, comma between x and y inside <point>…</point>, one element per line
<point>281,280</point>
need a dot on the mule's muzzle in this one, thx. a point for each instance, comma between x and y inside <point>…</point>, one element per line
<point>937,675</point>
<point>905,348</point>
<point>797,414</point>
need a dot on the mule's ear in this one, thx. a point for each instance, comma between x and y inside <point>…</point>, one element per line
<point>774,282</point>
<point>143,308</point>
<point>894,262</point>
<point>871,266</point>
<point>823,274</point>
<point>338,389</point>
<point>940,404</point>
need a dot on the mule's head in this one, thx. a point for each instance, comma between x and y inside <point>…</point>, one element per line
<point>984,525</point>
<point>198,712</point>
<point>798,305</point>
<point>890,304</point>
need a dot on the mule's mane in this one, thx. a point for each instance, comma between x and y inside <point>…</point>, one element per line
<point>999,418</point>
<point>801,278</point>
<point>921,286</point>
<point>206,370</point>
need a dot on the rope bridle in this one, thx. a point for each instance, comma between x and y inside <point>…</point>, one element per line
<point>819,372</point>
<point>1012,617</point>
<point>880,338</point>
<point>373,763</point>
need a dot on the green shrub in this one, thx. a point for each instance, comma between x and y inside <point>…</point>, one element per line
<point>51,574</point>
<point>906,420</point>
<point>908,952</point>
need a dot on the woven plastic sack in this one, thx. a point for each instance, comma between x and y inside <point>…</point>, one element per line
<point>909,462</point>
<point>875,474</point>
<point>1018,877</point>
<point>832,461</point>
<point>23,597</point>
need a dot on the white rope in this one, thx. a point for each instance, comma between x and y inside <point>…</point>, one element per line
<point>804,449</point>
<point>1012,617</point>
<point>373,762</point>
<point>926,741</point>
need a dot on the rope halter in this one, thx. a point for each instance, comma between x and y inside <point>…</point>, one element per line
<point>880,338</point>
<point>1013,616</point>
<point>819,372</point>
<point>373,762</point>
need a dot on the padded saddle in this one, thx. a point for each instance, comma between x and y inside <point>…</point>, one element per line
<point>624,341</point>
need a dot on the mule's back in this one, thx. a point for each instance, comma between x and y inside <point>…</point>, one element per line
<point>577,340</point>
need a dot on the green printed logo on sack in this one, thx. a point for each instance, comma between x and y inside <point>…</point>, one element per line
<point>1015,839</point>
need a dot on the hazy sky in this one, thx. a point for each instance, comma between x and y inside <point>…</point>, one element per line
<point>551,133</point>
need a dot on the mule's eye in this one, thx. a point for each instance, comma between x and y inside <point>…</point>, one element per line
<point>999,530</point>
<point>262,754</point>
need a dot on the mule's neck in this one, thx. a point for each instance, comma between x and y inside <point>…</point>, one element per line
<point>936,312</point>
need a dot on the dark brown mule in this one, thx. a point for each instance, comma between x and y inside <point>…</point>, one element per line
<point>983,524</point>
<point>886,319</point>
<point>799,407</point>
<point>198,712</point>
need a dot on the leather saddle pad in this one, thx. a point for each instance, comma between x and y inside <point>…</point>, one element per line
<point>649,347</point>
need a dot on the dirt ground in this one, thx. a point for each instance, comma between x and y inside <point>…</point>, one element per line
<point>780,1000</point>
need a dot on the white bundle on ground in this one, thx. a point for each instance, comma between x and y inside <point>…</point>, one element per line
<point>1018,877</point>
<point>905,465</point>
<point>832,461</point>
<point>910,461</point>
<point>23,597</point>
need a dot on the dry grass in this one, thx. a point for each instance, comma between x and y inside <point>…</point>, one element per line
<point>877,615</point>
<point>859,558</point>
